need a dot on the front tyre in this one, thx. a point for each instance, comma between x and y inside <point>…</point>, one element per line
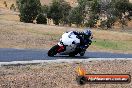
<point>82,53</point>
<point>53,51</point>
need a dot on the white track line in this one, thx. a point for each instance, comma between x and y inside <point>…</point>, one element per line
<point>59,61</point>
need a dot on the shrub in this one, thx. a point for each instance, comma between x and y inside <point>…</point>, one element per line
<point>90,23</point>
<point>58,11</point>
<point>41,19</point>
<point>75,16</point>
<point>29,9</point>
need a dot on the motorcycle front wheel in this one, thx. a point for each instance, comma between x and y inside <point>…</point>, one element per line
<point>53,51</point>
<point>82,53</point>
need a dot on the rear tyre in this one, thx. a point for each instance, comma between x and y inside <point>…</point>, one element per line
<point>53,51</point>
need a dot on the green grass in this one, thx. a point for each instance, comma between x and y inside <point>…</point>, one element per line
<point>112,44</point>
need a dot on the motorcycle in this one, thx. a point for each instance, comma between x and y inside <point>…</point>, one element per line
<point>69,44</point>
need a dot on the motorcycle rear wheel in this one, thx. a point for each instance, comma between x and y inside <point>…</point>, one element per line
<point>53,51</point>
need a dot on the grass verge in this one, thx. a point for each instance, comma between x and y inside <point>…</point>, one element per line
<point>113,44</point>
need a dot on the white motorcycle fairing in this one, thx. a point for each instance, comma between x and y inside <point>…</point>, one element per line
<point>67,39</point>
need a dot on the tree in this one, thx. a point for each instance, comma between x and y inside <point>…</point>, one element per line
<point>85,8</point>
<point>41,19</point>
<point>83,4</point>
<point>54,12</point>
<point>44,9</point>
<point>75,16</point>
<point>124,7</point>
<point>92,20</point>
<point>65,9</point>
<point>95,7</point>
<point>114,10</point>
<point>58,11</point>
<point>29,9</point>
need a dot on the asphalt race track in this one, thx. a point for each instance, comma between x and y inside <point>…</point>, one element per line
<point>8,55</point>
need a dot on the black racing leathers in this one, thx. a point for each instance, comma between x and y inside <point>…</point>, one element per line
<point>84,39</point>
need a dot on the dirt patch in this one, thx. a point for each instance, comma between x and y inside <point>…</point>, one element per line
<point>61,75</point>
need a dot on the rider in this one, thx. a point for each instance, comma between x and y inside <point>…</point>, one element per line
<point>84,38</point>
